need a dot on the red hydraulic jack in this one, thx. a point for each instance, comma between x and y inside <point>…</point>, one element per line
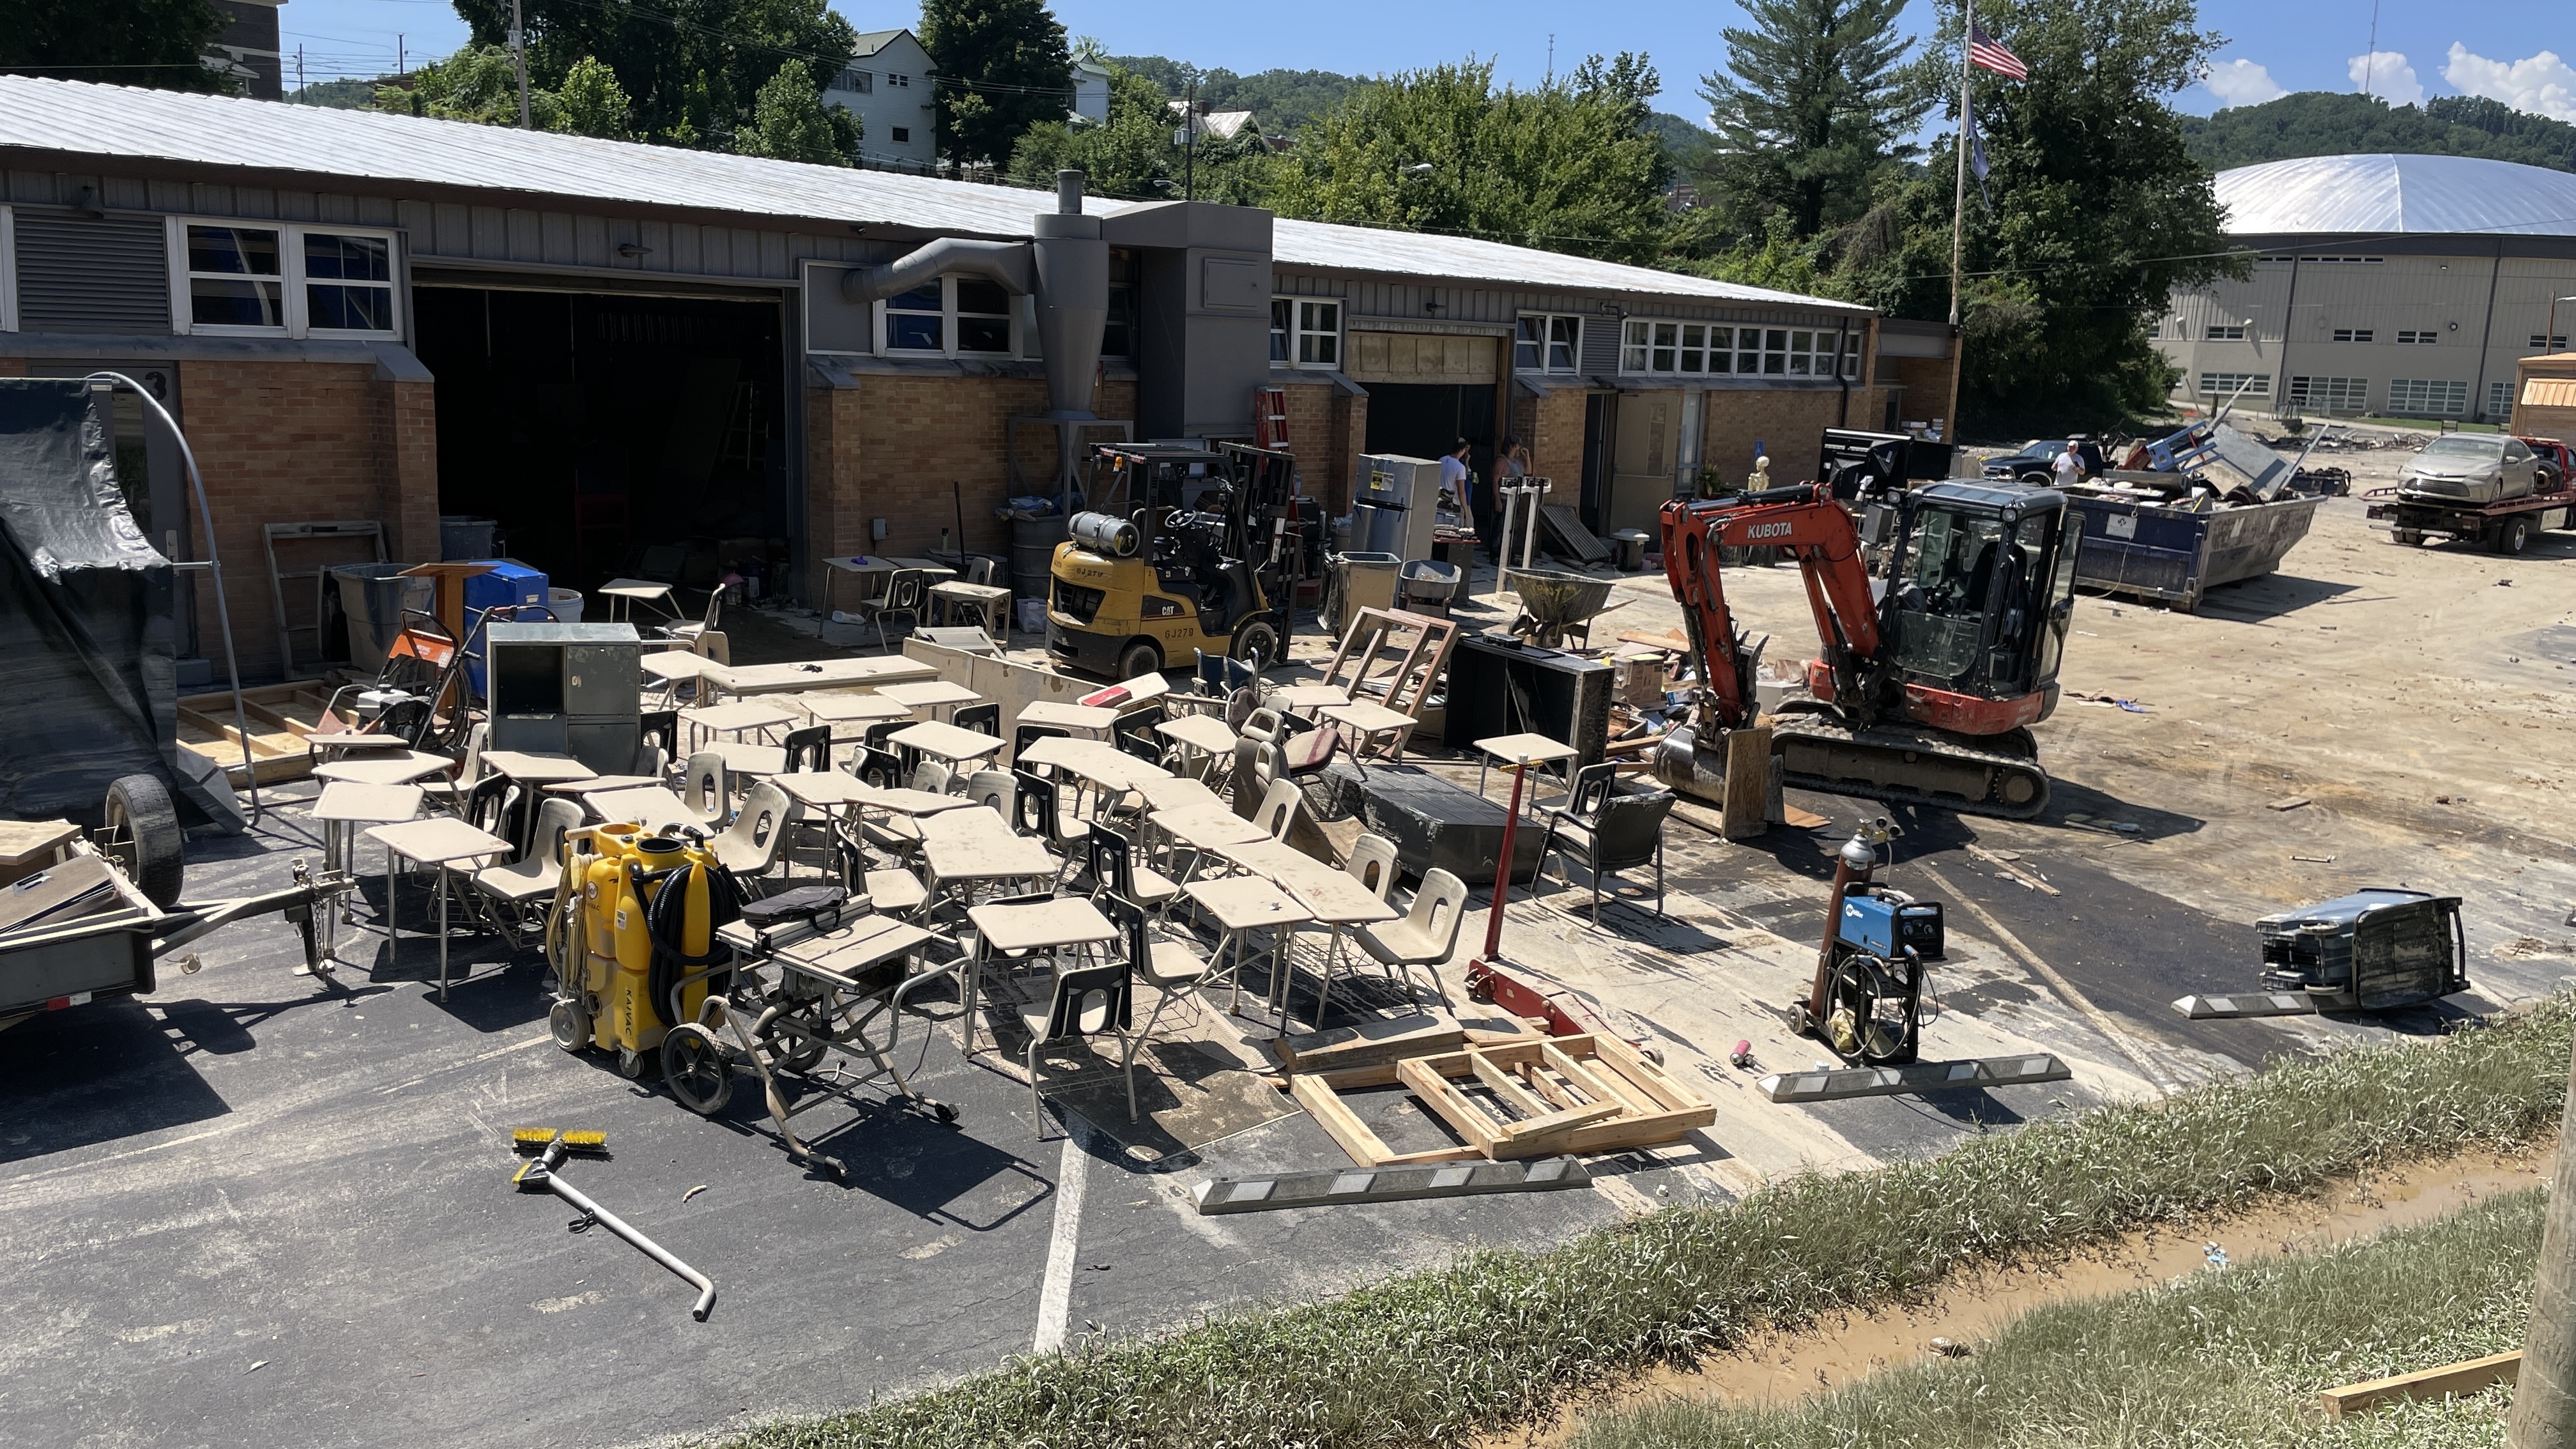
<point>1521,991</point>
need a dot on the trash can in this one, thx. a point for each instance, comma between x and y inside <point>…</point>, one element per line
<point>1033,542</point>
<point>564,604</point>
<point>461,536</point>
<point>373,597</point>
<point>1428,586</point>
<point>1631,544</point>
<point>1360,581</point>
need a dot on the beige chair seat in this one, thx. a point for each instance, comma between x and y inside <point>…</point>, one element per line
<point>1396,943</point>
<point>520,881</point>
<point>1174,964</point>
<point>895,892</point>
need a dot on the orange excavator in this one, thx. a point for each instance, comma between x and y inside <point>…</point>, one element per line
<point>1932,671</point>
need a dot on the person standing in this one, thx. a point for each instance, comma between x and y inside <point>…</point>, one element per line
<point>1455,478</point>
<point>2070,466</point>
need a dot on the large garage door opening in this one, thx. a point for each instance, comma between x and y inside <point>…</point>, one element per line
<point>609,434</point>
<point>1425,420</point>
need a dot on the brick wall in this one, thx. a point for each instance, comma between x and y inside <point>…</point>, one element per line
<point>1555,438</point>
<point>1789,424</point>
<point>1321,433</point>
<point>13,367</point>
<point>1926,381</point>
<point>288,442</point>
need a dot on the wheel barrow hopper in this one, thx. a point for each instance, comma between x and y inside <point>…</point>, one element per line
<point>1554,605</point>
<point>83,919</point>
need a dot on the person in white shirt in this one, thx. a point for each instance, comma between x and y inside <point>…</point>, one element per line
<point>2070,466</point>
<point>1458,481</point>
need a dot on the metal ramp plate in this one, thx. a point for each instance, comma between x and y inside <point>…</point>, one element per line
<point>1386,1184</point>
<point>1841,1082</point>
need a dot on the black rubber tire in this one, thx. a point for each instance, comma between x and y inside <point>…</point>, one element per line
<point>1140,657</point>
<point>696,1068</point>
<point>793,1054</point>
<point>141,834</point>
<point>1257,644</point>
<point>569,1024</point>
<point>2405,537</point>
<point>630,1065</point>
<point>2512,536</point>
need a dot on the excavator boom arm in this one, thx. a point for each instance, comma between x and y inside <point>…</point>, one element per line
<point>1804,520</point>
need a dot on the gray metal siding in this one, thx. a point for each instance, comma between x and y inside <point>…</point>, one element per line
<point>1600,344</point>
<point>76,274</point>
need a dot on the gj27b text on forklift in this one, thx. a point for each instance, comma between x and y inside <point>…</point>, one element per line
<point>1144,580</point>
<point>1931,674</point>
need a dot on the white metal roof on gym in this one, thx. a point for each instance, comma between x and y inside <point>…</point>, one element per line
<point>121,122</point>
<point>2398,196</point>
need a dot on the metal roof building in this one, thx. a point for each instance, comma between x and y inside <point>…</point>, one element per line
<point>626,345</point>
<point>2402,286</point>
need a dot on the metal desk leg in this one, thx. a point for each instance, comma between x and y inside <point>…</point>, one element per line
<point>441,868</point>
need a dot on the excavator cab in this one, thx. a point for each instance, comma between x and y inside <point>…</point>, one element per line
<point>1978,590</point>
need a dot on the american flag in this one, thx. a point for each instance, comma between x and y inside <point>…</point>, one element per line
<point>1984,50</point>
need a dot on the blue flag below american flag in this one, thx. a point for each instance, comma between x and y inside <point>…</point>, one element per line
<point>1986,51</point>
<point>1977,156</point>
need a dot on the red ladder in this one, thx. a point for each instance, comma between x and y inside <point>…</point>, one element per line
<point>1270,418</point>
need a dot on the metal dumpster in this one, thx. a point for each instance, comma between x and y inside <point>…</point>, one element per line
<point>2173,552</point>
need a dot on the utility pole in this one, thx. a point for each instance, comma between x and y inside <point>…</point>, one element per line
<point>1190,135</point>
<point>299,67</point>
<point>519,54</point>
<point>1958,219</point>
<point>2544,1395</point>
<point>399,67</point>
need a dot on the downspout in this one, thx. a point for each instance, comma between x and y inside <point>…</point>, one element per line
<point>2486,338</point>
<point>2289,325</point>
<point>1842,345</point>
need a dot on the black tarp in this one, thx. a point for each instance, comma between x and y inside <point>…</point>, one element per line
<point>88,691</point>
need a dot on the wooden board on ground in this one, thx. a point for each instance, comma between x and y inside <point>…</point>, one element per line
<point>1748,782</point>
<point>1556,1094</point>
<point>2462,1379</point>
<point>281,717</point>
<point>1567,536</point>
<point>1368,1043</point>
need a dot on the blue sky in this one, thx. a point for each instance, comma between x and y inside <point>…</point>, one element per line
<point>2509,49</point>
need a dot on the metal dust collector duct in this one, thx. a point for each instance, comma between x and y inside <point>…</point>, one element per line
<point>1065,267</point>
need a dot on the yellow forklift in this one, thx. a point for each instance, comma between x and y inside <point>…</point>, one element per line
<point>1187,551</point>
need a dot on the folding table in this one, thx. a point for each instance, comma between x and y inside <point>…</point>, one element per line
<point>433,843</point>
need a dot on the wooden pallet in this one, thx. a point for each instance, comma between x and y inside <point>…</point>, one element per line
<point>281,717</point>
<point>1561,1094</point>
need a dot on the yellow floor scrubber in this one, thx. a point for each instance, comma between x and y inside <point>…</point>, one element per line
<point>631,937</point>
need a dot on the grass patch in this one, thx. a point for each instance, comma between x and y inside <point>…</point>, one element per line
<point>1427,1357</point>
<point>2229,1357</point>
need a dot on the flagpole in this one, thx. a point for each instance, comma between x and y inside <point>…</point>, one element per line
<point>1958,219</point>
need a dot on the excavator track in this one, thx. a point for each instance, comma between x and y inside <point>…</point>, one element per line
<point>1895,763</point>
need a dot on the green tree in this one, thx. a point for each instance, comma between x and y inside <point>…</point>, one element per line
<point>1130,155</point>
<point>157,43</point>
<point>591,102</point>
<point>1004,66</point>
<point>1816,98</point>
<point>789,123</point>
<point>2099,211</point>
<point>692,70</point>
<point>1570,166</point>
<point>479,83</point>
<point>2332,123</point>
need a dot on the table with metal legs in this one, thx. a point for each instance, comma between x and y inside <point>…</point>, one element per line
<point>433,843</point>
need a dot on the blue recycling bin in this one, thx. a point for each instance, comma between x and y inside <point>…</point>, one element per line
<point>508,586</point>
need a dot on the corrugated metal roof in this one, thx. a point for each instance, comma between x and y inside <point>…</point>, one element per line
<point>2398,196</point>
<point>336,148</point>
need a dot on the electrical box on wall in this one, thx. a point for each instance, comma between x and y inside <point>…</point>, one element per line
<point>876,530</point>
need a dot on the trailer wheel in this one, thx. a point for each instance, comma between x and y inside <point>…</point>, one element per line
<point>2512,535</point>
<point>141,834</point>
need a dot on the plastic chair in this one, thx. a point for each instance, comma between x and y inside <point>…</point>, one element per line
<point>691,631</point>
<point>1087,1001</point>
<point>1372,863</point>
<point>1171,967</point>
<point>977,597</point>
<point>809,749</point>
<point>751,845</point>
<point>1037,809</point>
<point>1133,733</point>
<point>993,789</point>
<point>1114,871</point>
<point>902,598</point>
<point>1277,813</point>
<point>932,777</point>
<point>1609,830</point>
<point>706,788</point>
<point>881,768</point>
<point>1426,937</point>
<point>448,794</point>
<point>535,874</point>
<point>1029,734</point>
<point>983,719</point>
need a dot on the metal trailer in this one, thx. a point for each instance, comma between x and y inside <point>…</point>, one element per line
<point>2504,527</point>
<point>2141,545</point>
<point>54,959</point>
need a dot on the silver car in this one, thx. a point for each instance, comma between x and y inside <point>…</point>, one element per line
<point>2472,468</point>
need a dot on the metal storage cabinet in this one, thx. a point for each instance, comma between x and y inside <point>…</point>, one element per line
<point>574,689</point>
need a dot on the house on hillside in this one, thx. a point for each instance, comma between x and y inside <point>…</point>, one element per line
<point>1091,92</point>
<point>887,85</point>
<point>1216,125</point>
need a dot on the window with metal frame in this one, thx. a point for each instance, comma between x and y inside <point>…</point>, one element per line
<point>898,80</point>
<point>2552,342</point>
<point>2424,338</point>
<point>2223,332</point>
<point>854,79</point>
<point>1118,336</point>
<point>1548,342</point>
<point>2331,394</point>
<point>2221,385</point>
<point>2499,399</point>
<point>1306,332</point>
<point>2427,397</point>
<point>953,317</point>
<point>1696,349</point>
<point>231,277</point>
<point>2353,334</point>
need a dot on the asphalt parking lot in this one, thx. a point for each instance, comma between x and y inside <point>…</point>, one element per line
<point>259,1205</point>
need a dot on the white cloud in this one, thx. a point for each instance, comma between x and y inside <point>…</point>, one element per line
<point>2242,83</point>
<point>2542,84</point>
<point>2387,75</point>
